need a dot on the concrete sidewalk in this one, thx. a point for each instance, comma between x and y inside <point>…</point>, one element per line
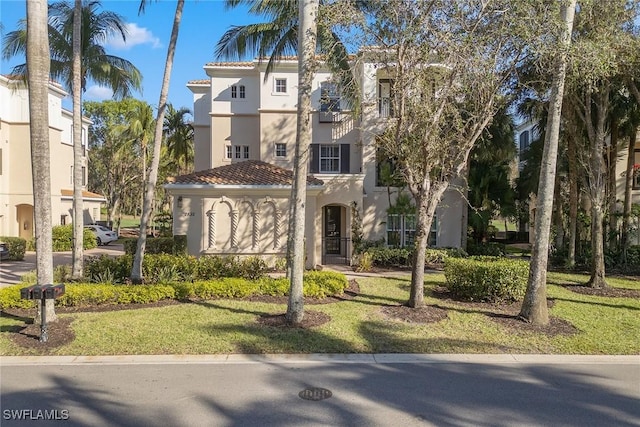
<point>347,358</point>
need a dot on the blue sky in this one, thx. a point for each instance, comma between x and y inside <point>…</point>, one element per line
<point>203,23</point>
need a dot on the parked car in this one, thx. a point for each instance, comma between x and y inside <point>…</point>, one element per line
<point>4,251</point>
<point>103,234</point>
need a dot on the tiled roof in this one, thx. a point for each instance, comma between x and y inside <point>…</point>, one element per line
<point>85,194</point>
<point>199,82</point>
<point>249,172</point>
<point>230,64</point>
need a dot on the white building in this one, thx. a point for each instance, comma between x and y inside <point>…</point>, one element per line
<point>245,131</point>
<point>16,185</point>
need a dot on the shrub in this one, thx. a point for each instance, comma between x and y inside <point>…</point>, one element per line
<point>10,297</point>
<point>364,262</point>
<point>390,257</point>
<point>212,266</point>
<point>62,236</point>
<point>62,273</point>
<point>164,268</point>
<point>495,249</point>
<point>180,245</point>
<point>275,287</point>
<point>17,247</point>
<point>102,268</point>
<point>319,284</point>
<point>130,245</point>
<point>439,255</point>
<point>487,279</point>
<point>83,294</point>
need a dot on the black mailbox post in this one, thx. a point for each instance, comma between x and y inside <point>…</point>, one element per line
<point>42,293</point>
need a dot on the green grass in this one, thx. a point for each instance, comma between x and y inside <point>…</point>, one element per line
<point>605,326</point>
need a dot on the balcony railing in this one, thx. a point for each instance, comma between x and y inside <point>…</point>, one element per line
<point>385,109</point>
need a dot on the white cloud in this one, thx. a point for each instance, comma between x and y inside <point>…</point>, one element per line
<point>135,36</point>
<point>98,93</point>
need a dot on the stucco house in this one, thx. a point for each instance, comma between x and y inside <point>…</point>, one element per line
<point>237,202</point>
<point>16,185</point>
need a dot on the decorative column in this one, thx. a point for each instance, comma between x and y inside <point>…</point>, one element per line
<point>234,228</point>
<point>256,229</point>
<point>212,229</point>
<point>276,228</point>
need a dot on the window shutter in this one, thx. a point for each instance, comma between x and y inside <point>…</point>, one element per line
<point>314,166</point>
<point>344,158</point>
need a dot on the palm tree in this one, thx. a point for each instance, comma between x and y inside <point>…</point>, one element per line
<point>179,138</point>
<point>136,270</point>
<point>139,131</point>
<point>534,307</point>
<point>37,48</point>
<point>77,56</point>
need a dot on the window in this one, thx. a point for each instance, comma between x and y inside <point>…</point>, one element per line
<point>524,141</point>
<point>401,230</point>
<point>385,104</point>
<point>281,149</point>
<point>63,220</point>
<point>329,102</point>
<point>280,85</point>
<point>329,158</point>
<point>238,92</point>
<point>241,151</point>
<point>228,152</point>
<point>387,174</point>
<point>84,176</point>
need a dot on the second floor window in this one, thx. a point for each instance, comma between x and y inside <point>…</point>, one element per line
<point>280,85</point>
<point>329,158</point>
<point>281,149</point>
<point>241,151</point>
<point>228,152</point>
<point>524,141</point>
<point>238,91</point>
<point>329,97</point>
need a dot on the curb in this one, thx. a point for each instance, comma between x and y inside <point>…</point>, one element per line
<point>544,359</point>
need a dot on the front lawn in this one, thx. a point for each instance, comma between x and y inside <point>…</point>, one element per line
<point>360,324</point>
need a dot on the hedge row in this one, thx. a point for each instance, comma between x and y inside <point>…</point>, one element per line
<point>176,245</point>
<point>62,236</point>
<point>317,284</point>
<point>17,247</point>
<point>487,278</point>
<point>385,257</point>
<point>165,268</point>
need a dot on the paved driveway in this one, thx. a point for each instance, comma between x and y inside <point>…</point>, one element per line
<point>10,271</point>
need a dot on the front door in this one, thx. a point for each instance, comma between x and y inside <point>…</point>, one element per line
<point>332,227</point>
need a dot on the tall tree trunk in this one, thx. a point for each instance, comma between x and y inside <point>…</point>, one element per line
<point>38,63</point>
<point>78,202</point>
<point>628,186</point>
<point>426,207</point>
<point>136,271</point>
<point>559,223</point>
<point>534,307</point>
<point>597,182</point>
<point>573,202</point>
<point>612,158</point>
<point>307,35</point>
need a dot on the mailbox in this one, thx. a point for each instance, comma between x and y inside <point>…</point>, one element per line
<point>37,292</point>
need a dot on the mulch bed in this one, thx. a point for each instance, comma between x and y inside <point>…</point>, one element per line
<point>59,333</point>
<point>604,292</point>
<point>506,313</point>
<point>310,320</point>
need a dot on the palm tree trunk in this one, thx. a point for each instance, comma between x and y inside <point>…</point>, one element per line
<point>307,35</point>
<point>38,63</point>
<point>136,271</point>
<point>534,307</point>
<point>78,203</point>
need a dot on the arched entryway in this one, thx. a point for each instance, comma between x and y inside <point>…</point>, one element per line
<point>336,243</point>
<point>24,217</point>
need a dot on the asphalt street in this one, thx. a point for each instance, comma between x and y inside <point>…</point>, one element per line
<point>366,390</point>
